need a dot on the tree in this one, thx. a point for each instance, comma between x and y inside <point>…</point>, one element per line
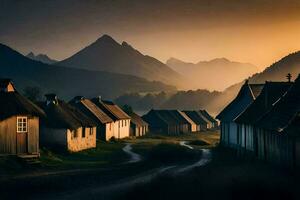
<point>33,93</point>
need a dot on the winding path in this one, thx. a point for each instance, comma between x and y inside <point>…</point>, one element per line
<point>134,157</point>
<point>185,144</point>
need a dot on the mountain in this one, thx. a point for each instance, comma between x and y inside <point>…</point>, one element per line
<point>276,72</point>
<point>41,57</point>
<point>69,82</point>
<point>205,73</point>
<point>106,54</point>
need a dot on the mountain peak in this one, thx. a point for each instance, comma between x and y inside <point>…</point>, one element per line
<point>106,38</point>
<point>30,54</point>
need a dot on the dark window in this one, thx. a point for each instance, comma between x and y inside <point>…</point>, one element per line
<point>83,132</point>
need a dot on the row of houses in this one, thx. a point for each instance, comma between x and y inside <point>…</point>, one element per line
<point>73,126</point>
<point>174,122</point>
<point>263,120</point>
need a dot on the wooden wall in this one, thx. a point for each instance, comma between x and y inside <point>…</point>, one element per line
<point>8,135</point>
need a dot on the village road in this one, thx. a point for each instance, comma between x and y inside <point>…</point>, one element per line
<point>134,157</point>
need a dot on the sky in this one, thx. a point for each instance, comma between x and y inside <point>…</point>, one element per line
<point>257,31</point>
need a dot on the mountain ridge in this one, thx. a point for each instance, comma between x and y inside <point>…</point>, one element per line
<point>106,54</point>
<point>41,57</point>
<point>204,73</point>
<point>68,82</point>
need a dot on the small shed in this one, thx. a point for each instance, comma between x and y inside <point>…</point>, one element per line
<point>138,127</point>
<point>278,130</point>
<point>19,122</point>
<point>104,122</point>
<point>245,97</point>
<point>183,124</point>
<point>120,118</point>
<point>66,127</point>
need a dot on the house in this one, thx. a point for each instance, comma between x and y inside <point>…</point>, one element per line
<point>213,124</point>
<point>192,125</point>
<point>209,124</point>
<point>278,130</point>
<point>105,129</point>
<point>201,124</point>
<point>247,139</point>
<point>183,124</point>
<point>160,121</point>
<point>19,122</point>
<point>121,119</point>
<point>138,127</point>
<point>66,127</point>
<point>245,97</point>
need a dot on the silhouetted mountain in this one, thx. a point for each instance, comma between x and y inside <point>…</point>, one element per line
<point>214,102</point>
<point>106,54</point>
<point>205,73</point>
<point>276,72</point>
<point>41,57</point>
<point>69,82</point>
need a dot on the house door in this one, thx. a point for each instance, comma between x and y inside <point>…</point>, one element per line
<point>21,143</point>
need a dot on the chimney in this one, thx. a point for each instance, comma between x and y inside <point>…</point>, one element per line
<point>99,98</point>
<point>289,77</point>
<point>51,99</point>
<point>6,85</point>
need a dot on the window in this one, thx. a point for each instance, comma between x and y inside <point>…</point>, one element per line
<point>83,132</point>
<point>110,126</point>
<point>21,124</point>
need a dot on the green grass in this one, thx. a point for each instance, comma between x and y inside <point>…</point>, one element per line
<point>106,153</point>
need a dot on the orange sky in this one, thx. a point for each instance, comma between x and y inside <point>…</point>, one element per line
<point>257,31</point>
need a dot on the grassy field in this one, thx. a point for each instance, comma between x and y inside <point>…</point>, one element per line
<point>110,153</point>
<point>100,166</point>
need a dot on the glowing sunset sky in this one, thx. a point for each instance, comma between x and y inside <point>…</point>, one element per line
<point>259,32</point>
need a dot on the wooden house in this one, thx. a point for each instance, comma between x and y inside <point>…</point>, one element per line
<point>121,119</point>
<point>245,97</point>
<point>278,130</point>
<point>160,121</point>
<point>192,125</point>
<point>138,127</point>
<point>105,125</point>
<point>213,124</point>
<point>183,124</point>
<point>247,139</point>
<point>201,124</point>
<point>66,127</point>
<point>19,122</point>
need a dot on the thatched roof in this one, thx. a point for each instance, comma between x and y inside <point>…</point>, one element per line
<point>271,92</point>
<point>283,116</point>
<point>194,115</point>
<point>12,103</point>
<point>111,109</point>
<point>63,115</point>
<point>245,97</point>
<point>90,109</point>
<point>137,120</point>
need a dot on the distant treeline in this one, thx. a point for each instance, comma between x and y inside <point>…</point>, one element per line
<point>182,100</point>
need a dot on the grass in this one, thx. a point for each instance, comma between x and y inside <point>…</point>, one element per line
<point>106,153</point>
